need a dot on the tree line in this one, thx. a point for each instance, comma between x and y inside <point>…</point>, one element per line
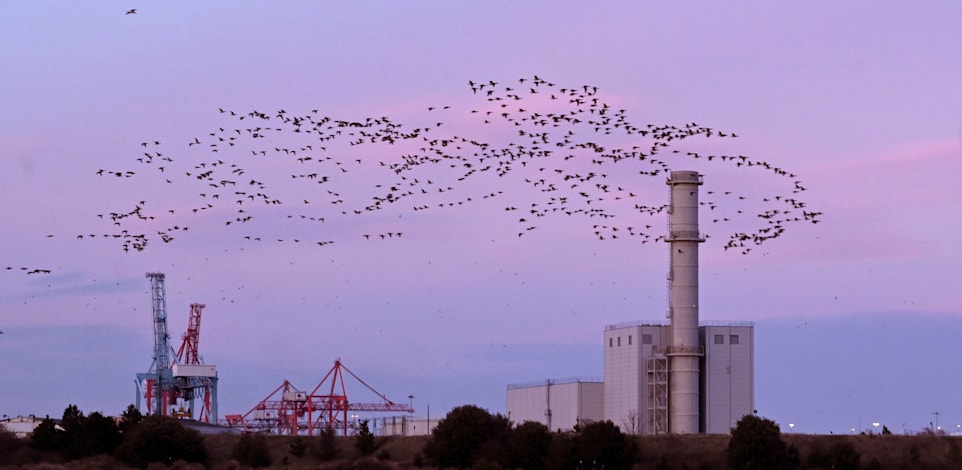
<point>467,437</point>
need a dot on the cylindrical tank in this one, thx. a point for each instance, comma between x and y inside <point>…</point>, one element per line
<point>684,351</point>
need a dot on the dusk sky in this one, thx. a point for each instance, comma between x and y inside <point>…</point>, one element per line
<point>858,317</point>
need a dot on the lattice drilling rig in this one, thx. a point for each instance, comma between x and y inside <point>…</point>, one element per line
<point>171,386</point>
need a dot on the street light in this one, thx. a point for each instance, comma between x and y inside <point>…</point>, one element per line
<point>791,428</point>
<point>876,426</point>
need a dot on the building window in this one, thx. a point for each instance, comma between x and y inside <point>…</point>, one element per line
<point>733,339</point>
<point>611,342</point>
<point>645,339</point>
<point>719,339</point>
<point>619,341</point>
<point>629,340</point>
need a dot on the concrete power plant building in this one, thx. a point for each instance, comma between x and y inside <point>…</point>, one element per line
<point>682,377</point>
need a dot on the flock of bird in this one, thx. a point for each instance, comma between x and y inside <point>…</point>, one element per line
<point>564,149</point>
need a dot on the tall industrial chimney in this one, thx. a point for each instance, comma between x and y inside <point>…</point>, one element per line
<point>684,351</point>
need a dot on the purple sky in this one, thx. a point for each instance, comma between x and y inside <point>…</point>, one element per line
<point>856,317</point>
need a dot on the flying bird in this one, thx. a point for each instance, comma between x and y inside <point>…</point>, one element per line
<point>558,157</point>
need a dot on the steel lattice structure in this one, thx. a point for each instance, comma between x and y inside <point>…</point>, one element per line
<point>290,411</point>
<point>184,378</point>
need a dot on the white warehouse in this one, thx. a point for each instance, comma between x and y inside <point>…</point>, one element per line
<point>558,404</point>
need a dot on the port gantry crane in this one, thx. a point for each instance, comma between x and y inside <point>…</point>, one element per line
<point>194,379</point>
<point>184,378</point>
<point>288,410</point>
<point>153,385</point>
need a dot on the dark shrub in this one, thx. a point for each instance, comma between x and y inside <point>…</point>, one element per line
<point>528,445</point>
<point>251,451</point>
<point>562,452</point>
<point>161,439</point>
<point>297,446</point>
<point>129,418</point>
<point>46,436</point>
<point>468,434</point>
<point>756,444</point>
<point>364,441</point>
<point>327,444</point>
<point>602,445</point>
<point>10,447</point>
<point>844,456</point>
<point>100,435</point>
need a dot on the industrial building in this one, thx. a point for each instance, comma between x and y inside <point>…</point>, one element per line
<point>580,400</point>
<point>404,426</point>
<point>637,376</point>
<point>680,377</point>
<point>21,426</point>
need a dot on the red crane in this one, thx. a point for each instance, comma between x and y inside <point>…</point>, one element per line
<point>290,411</point>
<point>280,412</point>
<point>188,387</point>
<point>187,354</point>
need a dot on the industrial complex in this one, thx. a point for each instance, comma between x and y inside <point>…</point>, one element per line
<point>680,377</point>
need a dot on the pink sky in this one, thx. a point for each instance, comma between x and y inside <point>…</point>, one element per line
<point>860,100</point>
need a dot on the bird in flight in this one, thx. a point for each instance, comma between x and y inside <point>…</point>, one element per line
<point>131,11</point>
<point>549,156</point>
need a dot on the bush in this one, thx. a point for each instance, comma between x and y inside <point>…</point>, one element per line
<point>364,441</point>
<point>100,435</point>
<point>529,444</point>
<point>756,444</point>
<point>130,418</point>
<point>251,451</point>
<point>327,444</point>
<point>161,439</point>
<point>562,452</point>
<point>844,456</point>
<point>46,436</point>
<point>468,434</point>
<point>603,444</point>
<point>11,448</point>
<point>77,436</point>
<point>297,446</point>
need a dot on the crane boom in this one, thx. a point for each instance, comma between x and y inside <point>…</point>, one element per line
<point>188,352</point>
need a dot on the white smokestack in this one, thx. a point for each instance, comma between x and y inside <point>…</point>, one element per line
<point>684,352</point>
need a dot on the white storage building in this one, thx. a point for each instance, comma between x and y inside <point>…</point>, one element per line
<point>558,404</point>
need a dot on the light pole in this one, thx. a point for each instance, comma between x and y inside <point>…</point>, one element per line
<point>791,428</point>
<point>876,424</point>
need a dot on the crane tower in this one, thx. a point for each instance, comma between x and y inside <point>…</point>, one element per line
<point>171,386</point>
<point>194,379</point>
<point>155,385</point>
